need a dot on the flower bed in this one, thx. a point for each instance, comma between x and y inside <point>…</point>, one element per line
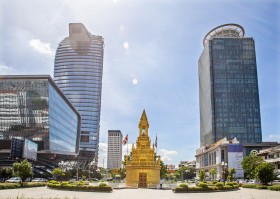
<point>79,186</point>
<point>203,187</point>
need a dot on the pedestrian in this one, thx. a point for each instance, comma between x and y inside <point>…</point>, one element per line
<point>196,182</point>
<point>161,183</point>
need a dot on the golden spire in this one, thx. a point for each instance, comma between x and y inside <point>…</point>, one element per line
<point>143,125</point>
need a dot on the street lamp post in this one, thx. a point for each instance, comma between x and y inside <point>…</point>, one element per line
<point>224,164</point>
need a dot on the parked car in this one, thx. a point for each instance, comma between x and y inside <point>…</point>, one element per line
<point>40,180</point>
<point>27,180</point>
<point>14,179</point>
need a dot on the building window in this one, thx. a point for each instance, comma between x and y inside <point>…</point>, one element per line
<point>223,155</point>
<point>84,138</point>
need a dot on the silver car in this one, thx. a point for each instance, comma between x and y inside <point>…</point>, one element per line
<point>39,180</point>
<point>14,179</point>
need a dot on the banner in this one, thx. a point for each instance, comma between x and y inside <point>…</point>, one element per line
<point>235,157</point>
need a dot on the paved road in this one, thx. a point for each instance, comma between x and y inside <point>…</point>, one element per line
<point>44,192</point>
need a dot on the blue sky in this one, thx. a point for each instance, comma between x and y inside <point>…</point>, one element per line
<point>150,61</point>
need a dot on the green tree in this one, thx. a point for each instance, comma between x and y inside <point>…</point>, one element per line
<point>249,164</point>
<point>22,169</point>
<point>6,173</point>
<point>201,175</point>
<point>231,172</point>
<point>57,173</point>
<point>163,170</point>
<point>213,172</point>
<point>265,172</point>
<point>189,173</point>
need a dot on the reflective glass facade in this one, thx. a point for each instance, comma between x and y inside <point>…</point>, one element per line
<point>78,73</point>
<point>33,107</point>
<point>228,89</point>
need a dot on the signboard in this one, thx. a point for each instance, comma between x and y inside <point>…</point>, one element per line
<point>30,150</point>
<point>235,157</point>
<point>16,148</point>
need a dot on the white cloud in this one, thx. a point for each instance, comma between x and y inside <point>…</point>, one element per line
<point>274,138</point>
<point>102,157</point>
<point>166,155</point>
<point>6,70</point>
<point>41,47</point>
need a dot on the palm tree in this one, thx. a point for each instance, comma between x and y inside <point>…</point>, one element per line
<point>213,173</point>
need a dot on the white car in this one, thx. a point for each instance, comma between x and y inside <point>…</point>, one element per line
<point>39,180</point>
<point>14,179</point>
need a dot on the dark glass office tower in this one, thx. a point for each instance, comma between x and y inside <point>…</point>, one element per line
<point>78,73</point>
<point>228,87</point>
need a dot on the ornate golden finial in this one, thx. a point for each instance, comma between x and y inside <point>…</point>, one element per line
<point>143,125</point>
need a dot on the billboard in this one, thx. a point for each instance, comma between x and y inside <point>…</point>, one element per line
<point>235,157</point>
<point>30,150</point>
<point>16,148</point>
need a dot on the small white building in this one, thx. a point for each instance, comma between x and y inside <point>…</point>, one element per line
<point>272,155</point>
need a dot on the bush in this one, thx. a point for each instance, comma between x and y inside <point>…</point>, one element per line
<point>203,185</point>
<point>219,184</point>
<point>214,182</point>
<point>72,187</point>
<point>249,186</point>
<point>190,189</point>
<point>64,183</point>
<point>184,186</point>
<point>33,184</point>
<point>103,184</point>
<point>229,184</point>
<point>200,189</point>
<point>24,184</point>
<point>9,185</point>
<point>53,182</point>
<point>235,183</point>
<point>274,188</point>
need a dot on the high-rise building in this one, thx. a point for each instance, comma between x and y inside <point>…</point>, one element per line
<point>33,107</point>
<point>114,157</point>
<point>78,73</point>
<point>228,87</point>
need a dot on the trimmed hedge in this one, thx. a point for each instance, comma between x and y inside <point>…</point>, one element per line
<point>255,186</point>
<point>9,185</point>
<point>79,186</point>
<point>219,184</point>
<point>22,185</point>
<point>274,188</point>
<point>184,186</point>
<point>202,187</point>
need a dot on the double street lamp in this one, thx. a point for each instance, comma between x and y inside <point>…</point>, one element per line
<point>224,164</point>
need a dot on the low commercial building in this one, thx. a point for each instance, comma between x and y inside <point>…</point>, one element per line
<point>225,154</point>
<point>272,155</point>
<point>188,164</point>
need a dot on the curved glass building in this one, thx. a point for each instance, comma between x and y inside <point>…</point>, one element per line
<point>33,107</point>
<point>228,87</point>
<point>78,73</point>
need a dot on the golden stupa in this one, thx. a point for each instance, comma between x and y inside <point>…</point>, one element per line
<point>143,168</point>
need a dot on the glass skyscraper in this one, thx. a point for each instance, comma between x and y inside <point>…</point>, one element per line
<point>78,73</point>
<point>33,107</point>
<point>228,87</point>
